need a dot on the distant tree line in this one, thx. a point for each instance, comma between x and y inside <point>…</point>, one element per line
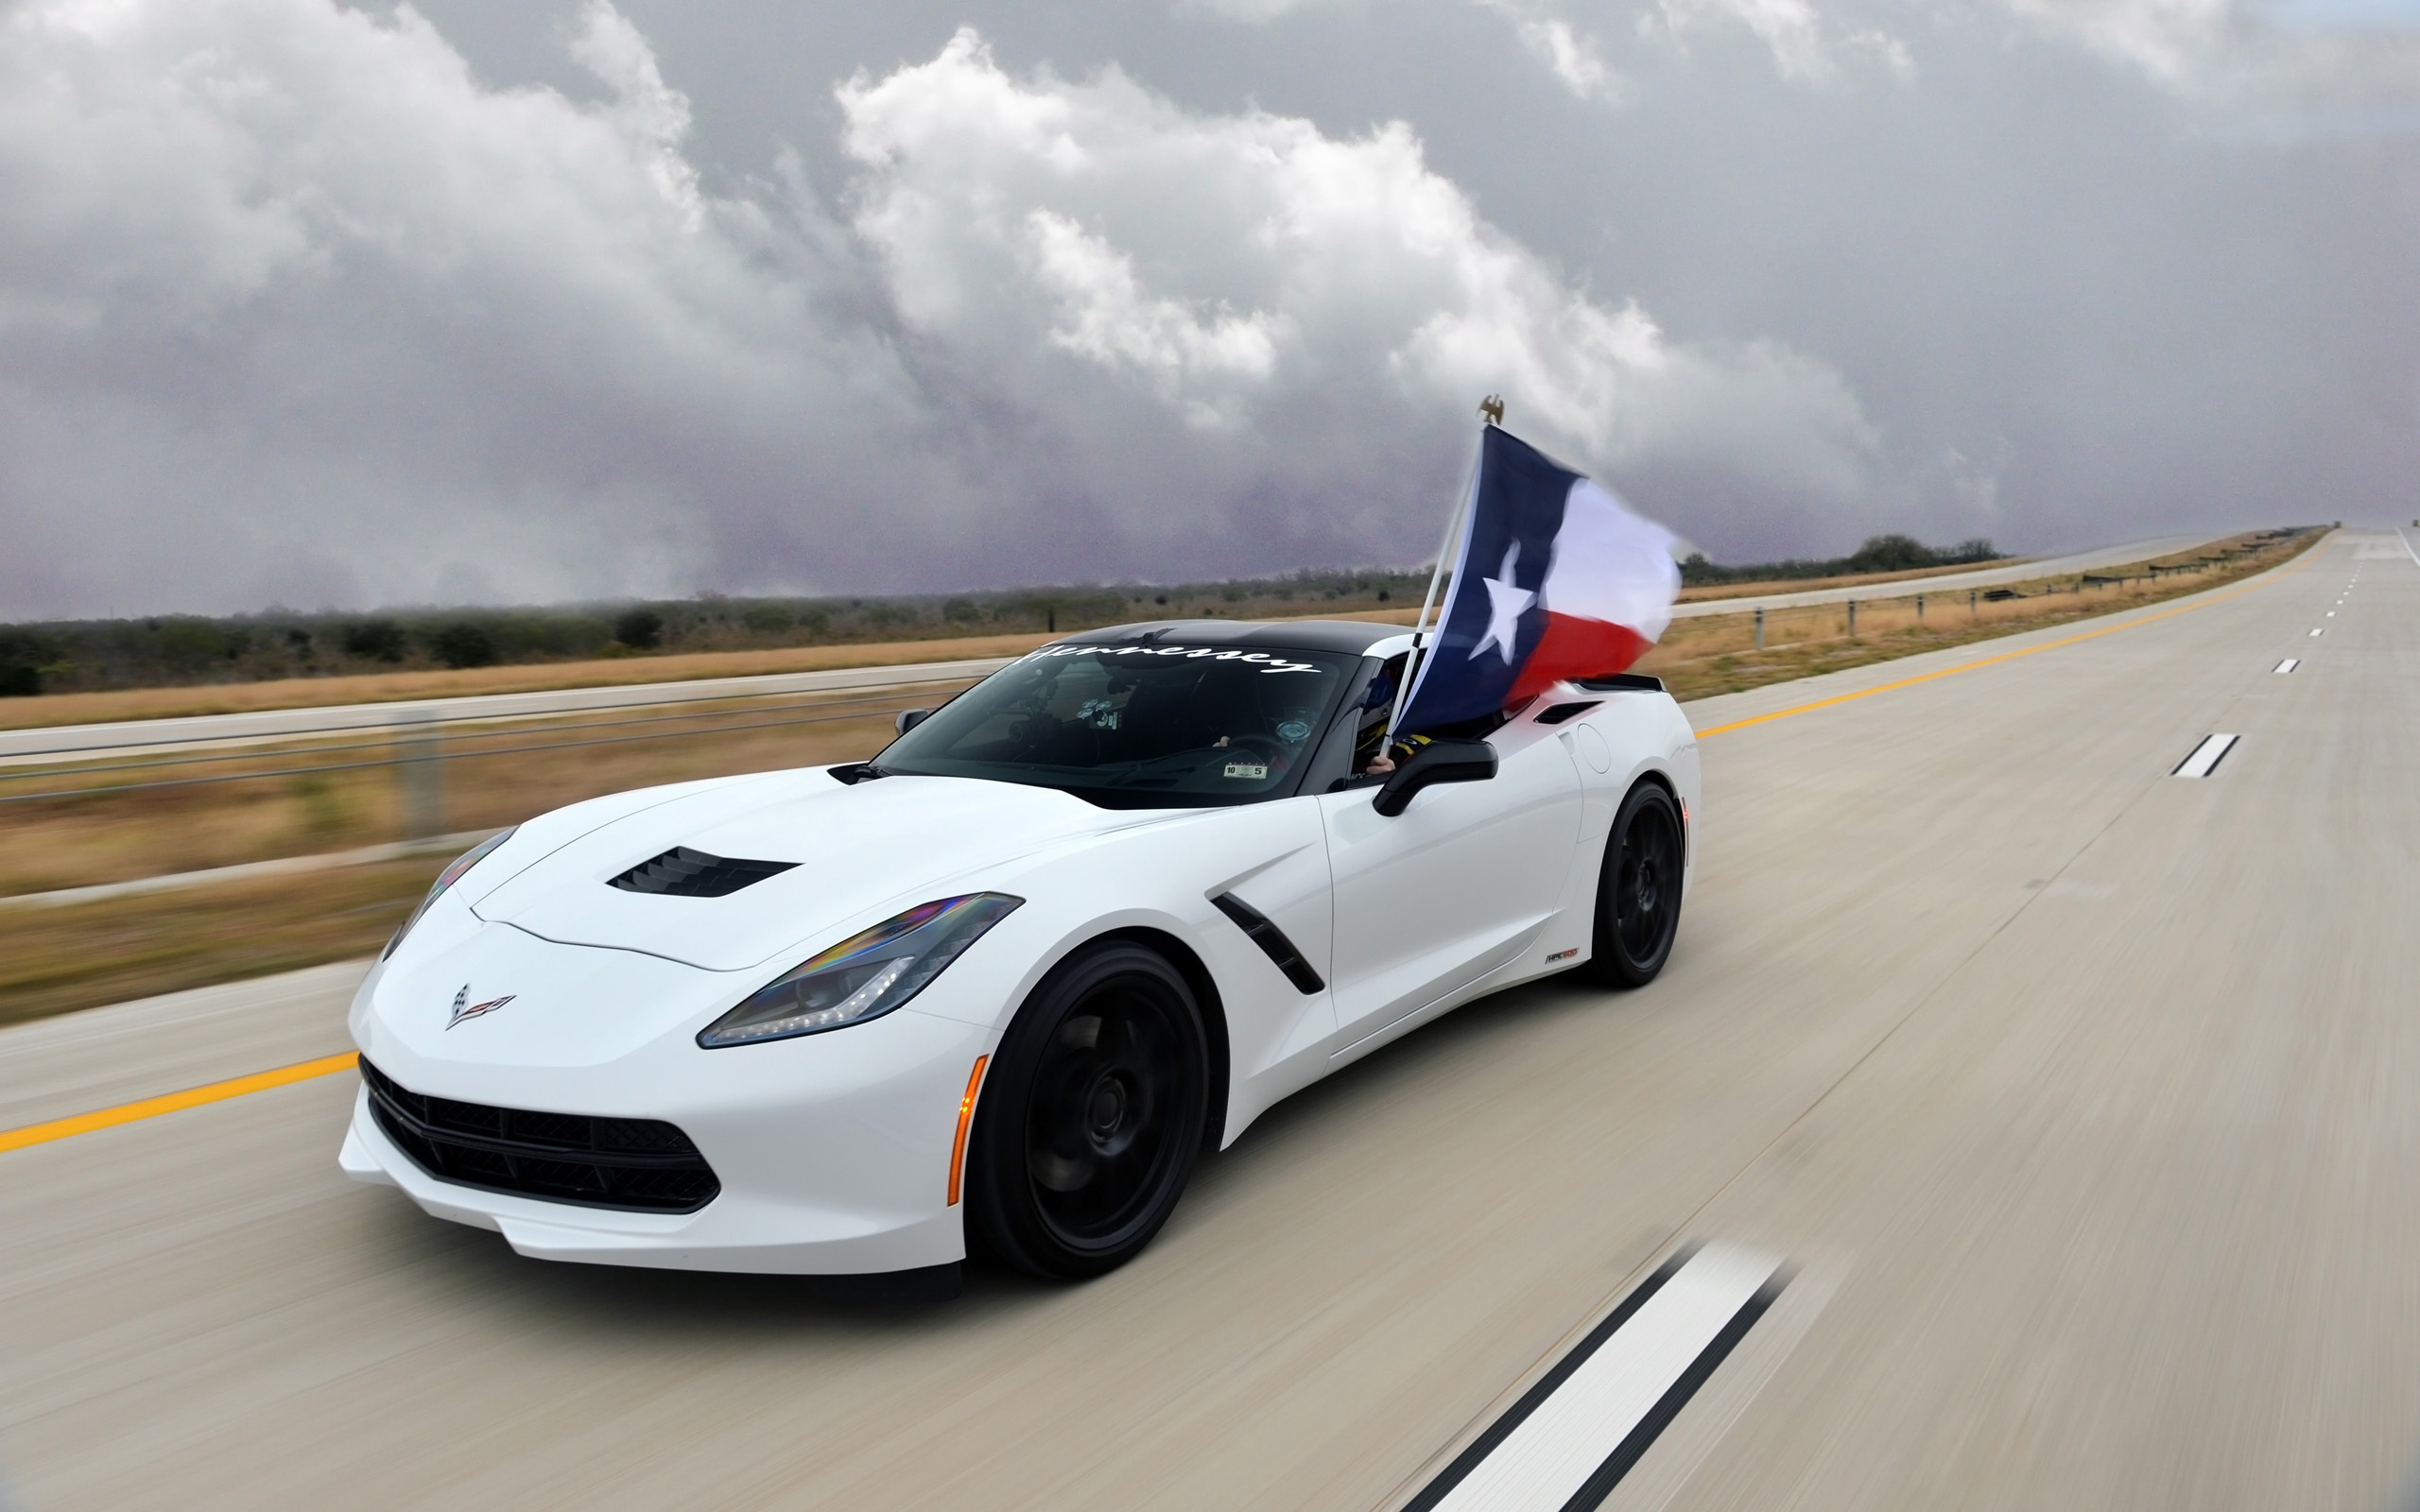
<point>1881,554</point>
<point>73,656</point>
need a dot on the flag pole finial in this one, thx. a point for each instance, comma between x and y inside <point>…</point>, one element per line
<point>1492,409</point>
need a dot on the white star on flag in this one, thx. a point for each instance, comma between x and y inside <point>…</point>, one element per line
<point>1506,604</point>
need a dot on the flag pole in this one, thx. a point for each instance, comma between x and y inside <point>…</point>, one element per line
<point>1493,411</point>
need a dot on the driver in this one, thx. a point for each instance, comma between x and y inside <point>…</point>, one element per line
<point>1376,756</point>
<point>1373,754</point>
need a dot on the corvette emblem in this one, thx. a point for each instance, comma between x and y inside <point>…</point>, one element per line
<point>465,1009</point>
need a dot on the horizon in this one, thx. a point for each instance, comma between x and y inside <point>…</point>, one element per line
<point>1683,552</point>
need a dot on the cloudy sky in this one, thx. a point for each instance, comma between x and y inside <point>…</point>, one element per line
<point>316,305</point>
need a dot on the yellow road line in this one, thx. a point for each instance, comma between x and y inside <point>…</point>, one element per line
<point>2010,656</point>
<point>217,1092</point>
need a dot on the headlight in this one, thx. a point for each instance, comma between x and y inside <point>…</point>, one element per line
<point>452,874</point>
<point>864,976</point>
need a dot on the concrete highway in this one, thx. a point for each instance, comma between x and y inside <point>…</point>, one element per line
<point>2083,1098</point>
<point>129,737</point>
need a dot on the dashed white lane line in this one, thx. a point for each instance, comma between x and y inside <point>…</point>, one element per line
<point>2288,665</point>
<point>1569,1439</point>
<point>1697,1436</point>
<point>2207,756</point>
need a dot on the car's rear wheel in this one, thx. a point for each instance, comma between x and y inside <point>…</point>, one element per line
<point>1090,1117</point>
<point>1639,894</point>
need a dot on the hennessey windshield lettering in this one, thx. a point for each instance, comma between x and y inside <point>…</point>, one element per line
<point>1269,662</point>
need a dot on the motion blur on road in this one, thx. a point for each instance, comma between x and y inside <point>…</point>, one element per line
<point>2078,1098</point>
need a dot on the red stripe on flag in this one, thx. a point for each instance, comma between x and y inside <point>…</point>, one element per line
<point>1576,647</point>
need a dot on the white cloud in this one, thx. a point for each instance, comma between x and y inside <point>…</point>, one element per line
<point>1574,59</point>
<point>281,282</point>
<point>1105,316</point>
<point>654,117</point>
<point>1250,264</point>
<point>1255,12</point>
<point>293,307</point>
<point>1571,57</point>
<point>2175,41</point>
<point>2296,53</point>
<point>1792,31</point>
<point>2227,53</point>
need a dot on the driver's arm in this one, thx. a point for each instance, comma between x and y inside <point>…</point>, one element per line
<point>1393,754</point>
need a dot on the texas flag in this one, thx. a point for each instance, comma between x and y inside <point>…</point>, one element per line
<point>1553,579</point>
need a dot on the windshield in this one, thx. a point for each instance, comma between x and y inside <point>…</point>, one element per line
<point>1135,726</point>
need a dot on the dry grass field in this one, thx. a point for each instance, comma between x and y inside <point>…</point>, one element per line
<point>1708,592</point>
<point>491,776</point>
<point>63,957</point>
<point>1699,658</point>
<point>60,960</point>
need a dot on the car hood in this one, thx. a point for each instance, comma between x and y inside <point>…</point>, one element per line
<point>855,847</point>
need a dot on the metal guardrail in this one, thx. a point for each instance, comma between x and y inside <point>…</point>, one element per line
<point>421,750</point>
<point>53,745</point>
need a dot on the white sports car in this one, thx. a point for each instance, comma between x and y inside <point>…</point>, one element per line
<point>991,991</point>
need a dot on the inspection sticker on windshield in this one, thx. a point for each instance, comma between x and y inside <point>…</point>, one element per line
<point>1255,770</point>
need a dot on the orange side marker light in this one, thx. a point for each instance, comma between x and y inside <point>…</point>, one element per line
<point>965,1117</point>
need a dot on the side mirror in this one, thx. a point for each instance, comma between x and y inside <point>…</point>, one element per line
<point>1439,761</point>
<point>910,719</point>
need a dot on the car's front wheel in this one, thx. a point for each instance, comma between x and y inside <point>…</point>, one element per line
<point>1638,895</point>
<point>1090,1116</point>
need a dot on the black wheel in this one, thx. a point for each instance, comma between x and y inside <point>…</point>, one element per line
<point>1639,893</point>
<point>1090,1117</point>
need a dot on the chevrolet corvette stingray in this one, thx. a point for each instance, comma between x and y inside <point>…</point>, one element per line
<point>993,991</point>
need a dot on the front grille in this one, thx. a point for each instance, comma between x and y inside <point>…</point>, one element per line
<point>636,1164</point>
<point>681,873</point>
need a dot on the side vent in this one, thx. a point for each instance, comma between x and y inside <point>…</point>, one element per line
<point>681,873</point>
<point>1567,711</point>
<point>1620,682</point>
<point>1271,940</point>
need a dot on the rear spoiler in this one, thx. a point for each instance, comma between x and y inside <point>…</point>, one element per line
<point>1620,682</point>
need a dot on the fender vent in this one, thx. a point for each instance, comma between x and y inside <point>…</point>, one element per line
<point>1567,711</point>
<point>681,873</point>
<point>1271,940</point>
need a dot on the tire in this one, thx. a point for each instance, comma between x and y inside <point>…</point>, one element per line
<point>1638,890</point>
<point>1090,1118</point>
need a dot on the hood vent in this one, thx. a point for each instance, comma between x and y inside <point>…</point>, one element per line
<point>681,873</point>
